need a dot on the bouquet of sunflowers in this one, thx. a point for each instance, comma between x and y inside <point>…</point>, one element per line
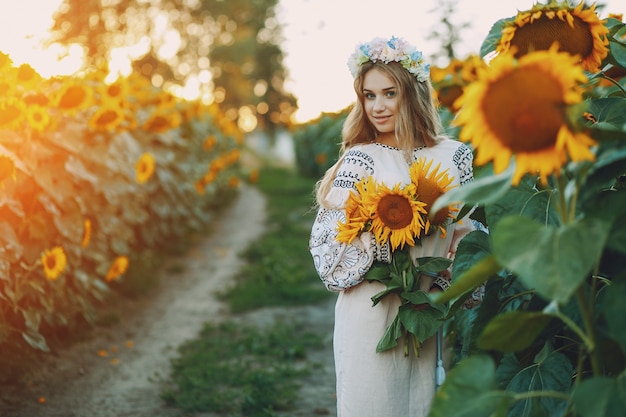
<point>401,216</point>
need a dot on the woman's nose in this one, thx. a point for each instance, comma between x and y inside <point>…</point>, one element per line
<point>379,105</point>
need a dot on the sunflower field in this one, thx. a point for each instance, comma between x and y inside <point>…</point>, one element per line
<point>545,112</point>
<point>93,176</point>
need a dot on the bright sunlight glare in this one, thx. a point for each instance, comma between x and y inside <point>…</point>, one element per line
<point>319,35</point>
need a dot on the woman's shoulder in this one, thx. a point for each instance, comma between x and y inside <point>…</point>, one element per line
<point>446,142</point>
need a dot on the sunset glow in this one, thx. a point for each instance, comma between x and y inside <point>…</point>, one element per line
<point>316,44</point>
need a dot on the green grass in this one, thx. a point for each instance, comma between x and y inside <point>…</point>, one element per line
<point>239,370</point>
<point>279,269</point>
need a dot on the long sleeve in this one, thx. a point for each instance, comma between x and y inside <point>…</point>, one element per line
<point>340,265</point>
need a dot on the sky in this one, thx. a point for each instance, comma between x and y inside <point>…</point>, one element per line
<point>319,36</point>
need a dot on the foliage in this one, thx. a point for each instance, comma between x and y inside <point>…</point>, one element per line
<point>85,200</point>
<point>278,268</point>
<point>548,338</point>
<point>238,41</point>
<point>317,143</point>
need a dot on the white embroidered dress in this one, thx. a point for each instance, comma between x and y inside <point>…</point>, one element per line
<point>386,384</point>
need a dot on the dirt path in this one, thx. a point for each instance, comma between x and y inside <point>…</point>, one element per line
<point>80,382</point>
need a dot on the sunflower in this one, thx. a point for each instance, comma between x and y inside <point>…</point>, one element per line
<point>200,187</point>
<point>518,107</point>
<point>38,117</point>
<point>114,93</point>
<point>107,118</point>
<point>161,121</point>
<point>144,167</point>
<point>430,185</point>
<point>397,216</point>
<point>12,112</point>
<point>86,233</point>
<point>576,30</point>
<point>209,142</point>
<point>7,169</point>
<point>5,61</point>
<point>54,262</point>
<point>357,217</point>
<point>27,76</point>
<point>117,268</point>
<point>73,97</point>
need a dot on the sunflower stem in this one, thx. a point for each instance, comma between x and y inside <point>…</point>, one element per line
<point>416,346</point>
<point>587,312</point>
<point>563,209</point>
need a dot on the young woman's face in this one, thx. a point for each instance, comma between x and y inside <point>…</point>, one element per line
<point>381,103</point>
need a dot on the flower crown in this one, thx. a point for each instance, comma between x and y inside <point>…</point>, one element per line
<point>394,49</point>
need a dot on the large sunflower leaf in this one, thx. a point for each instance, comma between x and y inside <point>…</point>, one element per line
<point>423,323</point>
<point>618,49</point>
<point>552,371</point>
<point>493,37</point>
<point>471,249</point>
<point>484,190</point>
<point>468,391</point>
<point>523,200</point>
<point>433,264</point>
<point>609,206</point>
<point>12,248</point>
<point>615,311</point>
<point>391,336</point>
<point>600,397</point>
<point>552,260</point>
<point>513,331</point>
<point>469,280</point>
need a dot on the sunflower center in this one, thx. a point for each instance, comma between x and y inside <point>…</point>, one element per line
<point>51,262</point>
<point>395,211</point>
<point>73,97</point>
<point>540,35</point>
<point>107,117</point>
<point>524,109</point>
<point>429,191</point>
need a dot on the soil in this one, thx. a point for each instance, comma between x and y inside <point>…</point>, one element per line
<point>119,370</point>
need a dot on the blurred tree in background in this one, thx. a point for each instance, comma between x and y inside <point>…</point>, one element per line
<point>226,51</point>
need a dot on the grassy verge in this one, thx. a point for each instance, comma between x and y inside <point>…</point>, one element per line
<point>240,370</point>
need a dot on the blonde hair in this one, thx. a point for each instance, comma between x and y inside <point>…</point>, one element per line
<point>418,122</point>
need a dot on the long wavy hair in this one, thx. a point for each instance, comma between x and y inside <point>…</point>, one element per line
<point>417,122</point>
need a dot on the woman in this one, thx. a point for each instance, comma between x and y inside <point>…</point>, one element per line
<point>393,123</point>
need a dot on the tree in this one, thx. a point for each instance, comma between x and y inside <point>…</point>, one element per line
<point>450,33</point>
<point>229,49</point>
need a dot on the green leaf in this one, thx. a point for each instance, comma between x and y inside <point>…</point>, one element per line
<point>523,200</point>
<point>471,249</point>
<point>615,311</point>
<point>552,371</point>
<point>600,397</point>
<point>378,272</point>
<point>468,391</point>
<point>470,280</point>
<point>36,340</point>
<point>12,247</point>
<point>423,324</point>
<point>433,264</point>
<point>391,336</point>
<point>551,260</point>
<point>513,331</point>
<point>484,190</point>
<point>608,206</point>
<point>618,50</point>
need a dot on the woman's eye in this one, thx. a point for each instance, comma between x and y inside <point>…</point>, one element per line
<point>369,95</point>
<point>391,93</point>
